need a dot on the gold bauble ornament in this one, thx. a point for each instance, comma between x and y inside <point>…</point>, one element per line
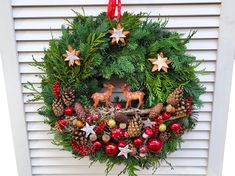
<point>168,108</point>
<point>162,127</point>
<point>122,126</point>
<point>111,123</point>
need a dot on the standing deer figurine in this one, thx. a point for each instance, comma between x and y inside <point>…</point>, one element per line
<point>103,96</point>
<point>138,95</point>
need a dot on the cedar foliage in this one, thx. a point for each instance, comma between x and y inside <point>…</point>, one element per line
<point>100,61</point>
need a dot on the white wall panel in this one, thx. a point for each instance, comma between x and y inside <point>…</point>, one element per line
<point>35,21</point>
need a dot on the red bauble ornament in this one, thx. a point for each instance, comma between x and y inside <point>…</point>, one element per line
<point>62,123</point>
<point>138,142</point>
<point>122,144</point>
<point>111,149</point>
<point>125,134</point>
<point>97,145</point>
<point>68,111</point>
<point>159,119</point>
<point>117,133</point>
<point>118,106</point>
<point>88,118</point>
<point>175,126</point>
<point>154,145</point>
<point>166,115</point>
<point>149,132</point>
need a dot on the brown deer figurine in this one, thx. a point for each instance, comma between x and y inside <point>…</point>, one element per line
<point>103,96</point>
<point>138,95</point>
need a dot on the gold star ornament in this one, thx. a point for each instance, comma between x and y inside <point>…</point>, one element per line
<point>118,34</point>
<point>72,56</point>
<point>160,63</point>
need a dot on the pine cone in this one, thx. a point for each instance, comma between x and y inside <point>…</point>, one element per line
<point>181,108</point>
<point>134,127</point>
<point>79,136</point>
<point>164,136</point>
<point>68,96</point>
<point>155,111</point>
<point>80,111</point>
<point>58,129</point>
<point>58,107</point>
<point>121,117</point>
<point>176,96</point>
<point>179,133</point>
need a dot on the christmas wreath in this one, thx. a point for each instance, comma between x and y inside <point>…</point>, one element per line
<point>137,57</point>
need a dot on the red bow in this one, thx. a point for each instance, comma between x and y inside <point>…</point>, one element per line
<point>112,8</point>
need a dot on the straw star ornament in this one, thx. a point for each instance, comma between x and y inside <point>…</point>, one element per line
<point>118,34</point>
<point>72,56</point>
<point>160,63</point>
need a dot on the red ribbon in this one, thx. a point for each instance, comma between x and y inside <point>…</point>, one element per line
<point>112,8</point>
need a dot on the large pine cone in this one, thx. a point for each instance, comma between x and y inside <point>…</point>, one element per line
<point>134,127</point>
<point>181,108</point>
<point>155,111</point>
<point>58,107</point>
<point>68,96</point>
<point>176,96</point>
<point>80,111</point>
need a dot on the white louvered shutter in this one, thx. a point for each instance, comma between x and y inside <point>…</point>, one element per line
<point>35,21</point>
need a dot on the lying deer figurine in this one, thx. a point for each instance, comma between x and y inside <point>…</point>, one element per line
<point>138,95</point>
<point>104,97</point>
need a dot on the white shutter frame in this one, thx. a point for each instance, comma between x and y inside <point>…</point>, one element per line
<point>13,86</point>
<point>225,56</point>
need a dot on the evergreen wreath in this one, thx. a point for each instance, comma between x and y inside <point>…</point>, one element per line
<point>149,60</point>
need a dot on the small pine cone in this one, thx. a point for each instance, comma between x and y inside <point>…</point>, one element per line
<point>121,117</point>
<point>68,96</point>
<point>179,133</point>
<point>164,136</point>
<point>80,111</point>
<point>79,136</point>
<point>58,107</point>
<point>58,129</point>
<point>134,127</point>
<point>181,108</point>
<point>176,96</point>
<point>155,111</point>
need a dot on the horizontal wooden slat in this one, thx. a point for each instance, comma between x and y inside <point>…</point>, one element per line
<point>174,22</point>
<point>209,88</point>
<point>44,153</point>
<point>97,170</point>
<point>39,46</point>
<point>45,135</point>
<point>76,162</point>
<point>201,55</point>
<point>163,10</point>
<point>39,126</point>
<point>207,97</point>
<point>207,33</point>
<point>33,78</point>
<point>188,144</point>
<point>35,117</point>
<point>16,3</point>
